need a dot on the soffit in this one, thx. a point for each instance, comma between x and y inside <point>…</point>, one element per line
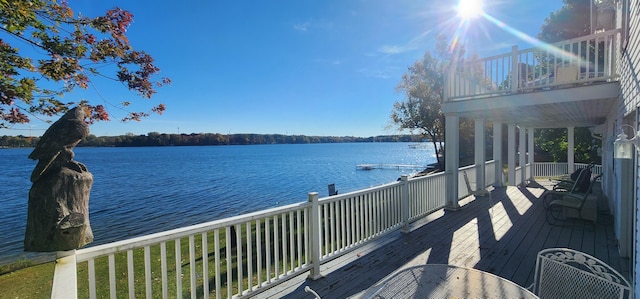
<point>581,106</point>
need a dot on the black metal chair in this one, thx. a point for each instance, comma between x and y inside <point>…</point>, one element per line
<point>578,186</point>
<point>557,208</point>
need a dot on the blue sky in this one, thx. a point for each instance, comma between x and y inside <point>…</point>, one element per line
<point>324,68</point>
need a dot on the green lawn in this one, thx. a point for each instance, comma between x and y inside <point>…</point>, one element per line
<point>31,282</point>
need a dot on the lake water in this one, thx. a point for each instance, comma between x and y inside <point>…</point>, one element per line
<point>138,191</point>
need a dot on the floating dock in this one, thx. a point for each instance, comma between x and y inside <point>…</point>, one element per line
<point>389,166</point>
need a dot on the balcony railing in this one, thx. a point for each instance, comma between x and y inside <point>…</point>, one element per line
<point>241,256</point>
<point>244,255</point>
<point>581,60</point>
<point>553,169</point>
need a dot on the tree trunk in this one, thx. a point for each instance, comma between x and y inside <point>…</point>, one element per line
<point>58,212</point>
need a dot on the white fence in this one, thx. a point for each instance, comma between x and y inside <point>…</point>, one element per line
<point>489,177</point>
<point>581,60</point>
<point>241,256</point>
<point>552,169</point>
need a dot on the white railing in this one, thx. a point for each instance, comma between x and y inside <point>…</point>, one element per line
<point>528,171</point>
<point>354,218</point>
<point>581,60</point>
<point>552,169</point>
<point>489,175</point>
<point>241,256</point>
<point>425,196</point>
<point>231,257</point>
<point>518,175</point>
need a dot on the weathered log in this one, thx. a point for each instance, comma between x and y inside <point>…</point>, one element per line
<point>58,211</point>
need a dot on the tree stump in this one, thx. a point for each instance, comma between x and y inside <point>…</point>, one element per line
<point>58,212</point>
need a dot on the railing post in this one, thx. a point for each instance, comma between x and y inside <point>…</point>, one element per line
<point>65,281</point>
<point>515,70</point>
<point>447,84</point>
<point>315,245</point>
<point>404,203</point>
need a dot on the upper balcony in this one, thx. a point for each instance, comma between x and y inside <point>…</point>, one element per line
<point>570,83</point>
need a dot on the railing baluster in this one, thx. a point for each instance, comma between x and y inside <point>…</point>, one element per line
<point>307,233</point>
<point>216,248</point>
<point>112,276</point>
<point>342,231</point>
<point>350,220</point>
<point>299,230</point>
<point>360,220</point>
<point>205,265</point>
<point>283,246</point>
<point>239,263</point>
<point>130,274</point>
<point>163,269</point>
<point>147,271</point>
<point>276,246</point>
<point>325,234</point>
<point>267,234</point>
<point>249,256</point>
<point>259,250</point>
<point>332,225</point>
<point>192,265</point>
<point>92,278</point>
<point>178,269</point>
<point>292,242</point>
<point>229,258</point>
<point>366,218</point>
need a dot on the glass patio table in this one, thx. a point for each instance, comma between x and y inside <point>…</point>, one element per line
<point>444,281</point>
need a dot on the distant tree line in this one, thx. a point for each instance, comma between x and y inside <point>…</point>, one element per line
<point>196,139</point>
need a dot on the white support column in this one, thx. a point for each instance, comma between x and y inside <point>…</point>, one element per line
<point>531,152</point>
<point>480,151</point>
<point>497,152</point>
<point>522,141</point>
<point>570,149</point>
<point>452,153</point>
<point>511,154</point>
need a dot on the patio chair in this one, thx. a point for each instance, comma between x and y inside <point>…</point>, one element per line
<point>567,273</point>
<point>557,209</point>
<point>579,184</point>
<point>482,192</point>
<point>567,182</point>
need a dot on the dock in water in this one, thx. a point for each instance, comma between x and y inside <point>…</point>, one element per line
<point>389,166</point>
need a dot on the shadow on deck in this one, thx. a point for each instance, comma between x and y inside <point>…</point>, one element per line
<point>502,239</point>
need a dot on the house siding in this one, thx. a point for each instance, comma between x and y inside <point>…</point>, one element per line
<point>629,80</point>
<point>629,70</point>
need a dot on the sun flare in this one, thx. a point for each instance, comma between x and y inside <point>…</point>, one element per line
<point>469,9</point>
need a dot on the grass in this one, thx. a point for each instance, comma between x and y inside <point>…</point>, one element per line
<point>32,282</point>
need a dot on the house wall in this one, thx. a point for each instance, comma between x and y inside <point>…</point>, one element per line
<point>629,70</point>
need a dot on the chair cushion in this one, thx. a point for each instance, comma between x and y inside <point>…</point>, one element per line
<point>567,201</point>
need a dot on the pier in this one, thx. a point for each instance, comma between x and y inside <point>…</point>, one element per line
<point>389,166</point>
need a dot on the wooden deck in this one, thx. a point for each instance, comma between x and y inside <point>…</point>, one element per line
<point>503,240</point>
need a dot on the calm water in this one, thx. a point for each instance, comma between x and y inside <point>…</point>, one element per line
<point>138,191</point>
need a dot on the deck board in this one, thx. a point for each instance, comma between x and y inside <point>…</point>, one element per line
<point>503,240</point>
